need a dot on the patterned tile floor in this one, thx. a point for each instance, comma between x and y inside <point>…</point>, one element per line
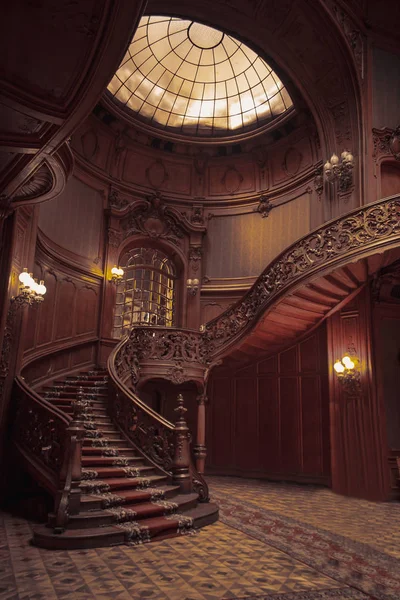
<point>374,523</point>
<point>220,562</point>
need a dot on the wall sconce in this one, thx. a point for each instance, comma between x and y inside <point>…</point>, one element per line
<point>348,375</point>
<point>340,170</point>
<point>192,286</point>
<point>117,275</point>
<point>30,291</point>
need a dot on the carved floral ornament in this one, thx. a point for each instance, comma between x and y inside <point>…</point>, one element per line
<point>154,218</point>
<point>264,206</point>
<point>386,142</point>
<point>357,231</point>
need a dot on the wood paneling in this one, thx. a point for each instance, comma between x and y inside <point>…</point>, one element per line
<point>271,419</point>
<point>358,436</point>
<point>50,366</point>
<point>69,313</point>
<point>243,245</point>
<point>74,220</point>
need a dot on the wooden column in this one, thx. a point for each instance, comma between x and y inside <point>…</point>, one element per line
<point>358,437</point>
<point>181,472</point>
<point>200,450</point>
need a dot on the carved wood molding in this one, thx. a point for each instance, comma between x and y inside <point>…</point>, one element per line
<point>386,143</point>
<point>358,233</point>
<point>156,219</point>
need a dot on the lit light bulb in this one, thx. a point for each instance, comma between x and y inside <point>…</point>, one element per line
<point>196,282</point>
<point>189,282</point>
<point>344,154</point>
<point>24,277</point>
<point>334,159</point>
<point>348,363</point>
<point>115,270</point>
<point>41,288</point>
<point>339,368</point>
<point>120,272</point>
<point>34,286</point>
<point>327,166</point>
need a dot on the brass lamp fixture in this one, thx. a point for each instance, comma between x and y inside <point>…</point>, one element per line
<point>117,275</point>
<point>340,170</point>
<point>192,286</point>
<point>30,291</point>
<point>348,374</point>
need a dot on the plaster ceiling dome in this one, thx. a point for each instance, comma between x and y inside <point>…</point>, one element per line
<point>188,78</point>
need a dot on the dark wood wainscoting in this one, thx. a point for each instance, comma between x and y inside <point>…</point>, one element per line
<point>271,419</point>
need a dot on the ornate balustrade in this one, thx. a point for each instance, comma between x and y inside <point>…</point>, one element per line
<point>51,443</point>
<point>155,351</point>
<point>175,354</point>
<point>352,236</point>
<point>182,355</point>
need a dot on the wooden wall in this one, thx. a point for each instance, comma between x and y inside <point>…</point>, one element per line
<point>358,422</point>
<point>243,245</point>
<point>69,313</point>
<point>271,419</point>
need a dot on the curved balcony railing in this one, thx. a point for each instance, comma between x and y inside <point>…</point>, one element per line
<point>152,350</point>
<point>51,443</point>
<point>354,235</point>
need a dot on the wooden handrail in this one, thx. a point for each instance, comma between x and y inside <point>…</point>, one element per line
<point>351,236</point>
<point>50,440</point>
<point>154,435</point>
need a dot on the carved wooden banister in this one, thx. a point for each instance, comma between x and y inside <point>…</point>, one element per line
<point>51,443</point>
<point>350,237</point>
<point>154,350</point>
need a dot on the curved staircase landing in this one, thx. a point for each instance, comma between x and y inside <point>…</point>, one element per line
<point>124,497</point>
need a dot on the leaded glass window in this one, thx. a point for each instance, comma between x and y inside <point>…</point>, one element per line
<point>183,75</point>
<point>147,294</point>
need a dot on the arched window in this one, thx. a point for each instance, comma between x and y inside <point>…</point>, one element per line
<point>147,294</point>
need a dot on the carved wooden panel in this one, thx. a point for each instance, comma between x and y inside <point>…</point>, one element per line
<point>359,444</point>
<point>272,417</point>
<point>243,245</point>
<point>231,177</point>
<point>74,220</point>
<point>65,306</point>
<point>87,314</point>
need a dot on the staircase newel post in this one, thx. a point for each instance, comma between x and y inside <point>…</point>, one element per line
<point>200,450</point>
<point>181,464</point>
<point>69,494</point>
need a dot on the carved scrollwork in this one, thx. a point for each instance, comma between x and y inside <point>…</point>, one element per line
<point>356,231</point>
<point>154,439</point>
<point>154,219</point>
<point>40,434</point>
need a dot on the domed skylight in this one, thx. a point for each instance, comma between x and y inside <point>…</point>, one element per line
<point>198,80</point>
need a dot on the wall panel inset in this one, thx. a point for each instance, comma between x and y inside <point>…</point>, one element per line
<point>271,419</point>
<point>243,245</point>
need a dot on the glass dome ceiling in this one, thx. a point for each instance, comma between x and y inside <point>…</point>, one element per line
<point>187,77</point>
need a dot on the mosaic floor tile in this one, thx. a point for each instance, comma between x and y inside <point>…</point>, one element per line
<point>256,553</point>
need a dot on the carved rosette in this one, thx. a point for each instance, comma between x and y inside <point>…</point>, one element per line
<point>264,206</point>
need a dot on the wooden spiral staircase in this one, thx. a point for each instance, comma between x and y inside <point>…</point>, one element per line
<point>119,471</point>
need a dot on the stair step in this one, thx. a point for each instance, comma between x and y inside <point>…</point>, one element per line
<point>113,443</point>
<point>99,450</point>
<point>99,501</point>
<point>130,512</point>
<point>68,393</point>
<point>94,461</point>
<point>117,471</point>
<point>120,483</point>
